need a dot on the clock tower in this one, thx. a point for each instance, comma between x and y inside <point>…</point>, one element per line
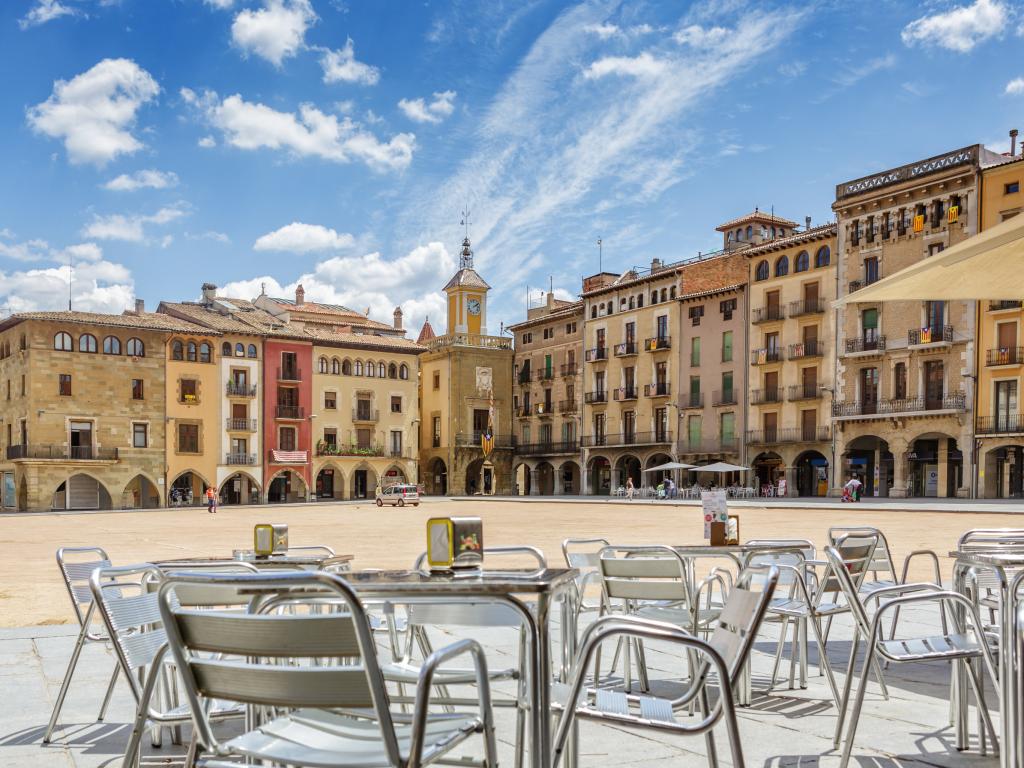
<point>467,297</point>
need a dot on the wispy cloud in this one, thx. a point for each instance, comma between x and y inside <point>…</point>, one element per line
<point>959,29</point>
<point>46,10</point>
<point>130,228</point>
<point>145,179</point>
<point>1015,87</point>
<point>848,75</point>
<point>421,111</point>
<point>341,66</point>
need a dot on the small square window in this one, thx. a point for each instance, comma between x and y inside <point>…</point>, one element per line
<point>138,389</point>
<point>1011,188</point>
<point>64,383</point>
<point>189,391</point>
<point>140,435</point>
<point>396,404</point>
<point>437,379</point>
<point>330,401</point>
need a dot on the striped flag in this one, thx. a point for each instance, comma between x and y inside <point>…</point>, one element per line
<point>289,457</point>
<point>487,438</point>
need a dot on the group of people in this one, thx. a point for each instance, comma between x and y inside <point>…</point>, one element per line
<point>666,489</point>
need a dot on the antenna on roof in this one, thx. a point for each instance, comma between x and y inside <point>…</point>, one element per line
<point>551,283</point>
<point>263,289</point>
<point>465,222</point>
<point>600,255</point>
<point>71,271</point>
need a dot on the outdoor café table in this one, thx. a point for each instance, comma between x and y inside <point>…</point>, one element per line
<point>1008,567</point>
<point>516,589</point>
<point>307,561</point>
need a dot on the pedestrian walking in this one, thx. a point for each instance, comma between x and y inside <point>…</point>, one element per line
<point>211,500</point>
<point>629,488</point>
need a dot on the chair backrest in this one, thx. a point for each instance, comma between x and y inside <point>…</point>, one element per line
<point>331,660</point>
<point>206,595</point>
<point>991,538</point>
<point>646,572</point>
<point>76,565</point>
<point>736,627</point>
<point>796,553</point>
<point>882,560</point>
<point>856,552</point>
<point>844,580</point>
<point>582,554</point>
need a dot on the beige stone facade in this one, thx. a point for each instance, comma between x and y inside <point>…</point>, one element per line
<point>904,385</point>
<point>791,359</point>
<point>548,400</point>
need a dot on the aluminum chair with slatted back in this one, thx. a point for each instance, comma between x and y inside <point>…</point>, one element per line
<point>581,555</point>
<point>300,666</point>
<point>76,573</point>
<point>983,583</point>
<point>723,656</point>
<point>964,644</point>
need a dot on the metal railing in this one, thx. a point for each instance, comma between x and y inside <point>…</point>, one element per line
<point>69,453</point>
<point>657,343</point>
<point>692,400</point>
<point>365,414</point>
<point>707,445</point>
<point>724,397</point>
<point>765,356</point>
<point>1004,356</point>
<point>769,395</point>
<point>625,349</point>
<point>544,448</point>
<point>595,397</point>
<point>472,440</point>
<point>815,434</point>
<point>624,393</point>
<point>809,348</point>
<point>545,374</point>
<point>569,369</point>
<point>469,340</point>
<point>956,402</point>
<point>290,412</point>
<point>659,389</point>
<point>240,390</point>
<point>240,425</point>
<point>628,438</point>
<point>354,449</point>
<point>767,314</point>
<point>864,344</point>
<point>287,373</point>
<point>995,306</point>
<point>917,336</point>
<point>806,307</point>
<point>546,408</point>
<point>597,353</point>
<point>1001,424</point>
<point>524,375</point>
<point>523,411</point>
<point>568,406</point>
<point>236,459</point>
<point>804,391</point>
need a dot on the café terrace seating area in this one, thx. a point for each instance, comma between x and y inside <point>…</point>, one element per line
<point>625,653</point>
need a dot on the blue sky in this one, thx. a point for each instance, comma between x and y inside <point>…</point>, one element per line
<point>163,143</point>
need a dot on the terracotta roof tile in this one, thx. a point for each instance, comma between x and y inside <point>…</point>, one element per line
<point>426,333</point>
<point>361,340</point>
<point>755,215</point>
<point>822,232</point>
<point>152,321</point>
<point>245,319</point>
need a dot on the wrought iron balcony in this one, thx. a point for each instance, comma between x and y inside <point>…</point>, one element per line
<point>767,314</point>
<point>1001,424</point>
<point>625,349</point>
<point>591,398</point>
<point>547,448</point>
<point>765,355</point>
<point>628,438</point>
<point>236,459</point>
<point>938,335</point>
<point>66,453</point>
<point>864,344</point>
<point>240,425</point>
<point>724,397</point>
<point>524,375</point>
<point>595,354</point>
<point>240,389</point>
<point>624,393</point>
<point>806,307</point>
<point>546,408</point>
<point>545,374</point>
<point>710,445</point>
<point>568,406</point>
<point>809,348</point>
<point>996,306</point>
<point>290,412</point>
<point>763,396</point>
<point>569,369</point>
<point>1005,356</point>
<point>660,389</point>
<point>371,415</point>
<point>354,449</point>
<point>289,373</point>
<point>805,392</point>
<point>472,440</point>
<point>658,343</point>
<point>523,411</point>
<point>904,405</point>
<point>776,436</point>
<point>691,400</point>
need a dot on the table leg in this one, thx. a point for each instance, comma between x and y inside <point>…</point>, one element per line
<point>569,630</point>
<point>1008,757</point>
<point>541,736</point>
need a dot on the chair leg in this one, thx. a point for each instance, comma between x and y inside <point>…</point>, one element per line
<point>641,666</point>
<point>824,660</point>
<point>523,696</point>
<point>881,680</point>
<point>857,704</point>
<point>193,750</point>
<point>110,692</point>
<point>828,628</point>
<point>803,654</point>
<point>979,695</point>
<point>131,752</point>
<point>794,654</point>
<point>847,685</point>
<point>778,652</point>
<point>66,683</point>
<point>709,734</point>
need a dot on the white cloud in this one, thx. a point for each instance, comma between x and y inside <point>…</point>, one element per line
<point>310,133</point>
<point>341,67</point>
<point>217,237</point>
<point>853,75</point>
<point>298,237</point>
<point>697,36</point>
<point>1015,87</point>
<point>418,110</point>
<point>959,29</point>
<point>145,179</point>
<point>792,68</point>
<point>604,30</point>
<point>643,65</point>
<point>29,250</point>
<point>221,5</point>
<point>44,11</point>
<point>207,142</point>
<point>94,112</point>
<point>117,226</point>
<point>276,31</point>
<point>410,281</point>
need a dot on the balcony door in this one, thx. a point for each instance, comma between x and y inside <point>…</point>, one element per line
<point>661,424</point>
<point>1006,406</point>
<point>808,425</point>
<point>629,427</point>
<point>662,327</point>
<point>1006,335</point>
<point>933,384</point>
<point>479,421</point>
<point>770,422</point>
<point>869,390</point>
<point>81,440</point>
<point>869,328</point>
<point>693,429</point>
<point>600,338</point>
<point>771,387</point>
<point>809,381</point>
<point>772,302</point>
<point>810,297</point>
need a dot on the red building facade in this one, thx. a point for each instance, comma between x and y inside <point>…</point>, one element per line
<point>287,408</point>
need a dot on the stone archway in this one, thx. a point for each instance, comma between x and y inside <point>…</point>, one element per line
<point>81,491</point>
<point>1003,472</point>
<point>480,478</point>
<point>768,468</point>
<point>329,482</point>
<point>187,489</point>
<point>934,466</point>
<point>363,482</point>
<point>810,474</point>
<point>393,475</point>
<point>545,479</point>
<point>23,495</point>
<point>629,466</point>
<point>287,486</point>
<point>654,460</point>
<point>599,471</point>
<point>437,477</point>
<point>869,459</point>
<point>521,479</point>
<point>140,493</point>
<point>567,477</point>
<point>239,488</point>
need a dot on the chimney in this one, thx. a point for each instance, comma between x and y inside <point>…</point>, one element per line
<point>1013,142</point>
<point>398,318</point>
<point>209,293</point>
<point>300,295</point>
<point>550,298</point>
<point>807,223</point>
<point>655,265</point>
<point>140,307</point>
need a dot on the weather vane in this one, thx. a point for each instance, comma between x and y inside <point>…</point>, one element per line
<point>465,221</point>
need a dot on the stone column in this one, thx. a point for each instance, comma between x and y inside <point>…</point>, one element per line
<point>585,488</point>
<point>615,479</point>
<point>899,468</point>
<point>558,490</point>
<point>534,481</point>
<point>942,459</point>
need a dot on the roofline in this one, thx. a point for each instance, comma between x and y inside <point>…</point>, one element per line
<point>17,318</point>
<point>757,215</point>
<point>808,236</point>
<point>377,347</point>
<point>890,176</point>
<point>734,288</point>
<point>576,308</point>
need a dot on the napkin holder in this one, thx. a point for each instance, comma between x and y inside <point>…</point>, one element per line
<point>732,531</point>
<point>455,543</point>
<point>718,534</point>
<point>270,539</point>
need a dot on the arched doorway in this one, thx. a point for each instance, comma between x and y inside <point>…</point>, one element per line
<point>393,475</point>
<point>869,459</point>
<point>187,489</point>
<point>600,476</point>
<point>287,486</point>
<point>239,488</point>
<point>81,491</point>
<point>364,482</point>
<point>522,480</point>
<point>653,478</point>
<point>140,493</point>
<point>629,467</point>
<point>546,478</point>
<point>811,474</point>
<point>480,478</point>
<point>570,476</point>
<point>437,478</point>
<point>934,466</point>
<point>1004,472</point>
<point>330,483</point>
<point>768,468</point>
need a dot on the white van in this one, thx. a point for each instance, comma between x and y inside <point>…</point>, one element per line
<point>399,495</point>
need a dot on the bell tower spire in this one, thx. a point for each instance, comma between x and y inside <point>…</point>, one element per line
<point>467,292</point>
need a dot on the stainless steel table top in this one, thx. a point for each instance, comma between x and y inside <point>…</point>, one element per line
<point>468,583</point>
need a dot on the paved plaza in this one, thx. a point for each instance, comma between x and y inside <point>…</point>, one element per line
<point>788,727</point>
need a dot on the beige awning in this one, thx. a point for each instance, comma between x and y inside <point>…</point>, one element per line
<point>986,267</point>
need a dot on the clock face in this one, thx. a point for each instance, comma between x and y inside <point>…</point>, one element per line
<point>473,305</point>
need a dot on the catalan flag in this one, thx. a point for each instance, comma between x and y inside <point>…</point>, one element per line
<point>487,438</point>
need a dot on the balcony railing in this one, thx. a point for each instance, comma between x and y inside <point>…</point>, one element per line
<point>469,340</point>
<point>240,425</point>
<point>568,406</point>
<point>548,448</point>
<point>624,393</point>
<point>692,400</point>
<point>523,411</point>
<point>765,356</point>
<point>660,389</point>
<point>569,369</point>
<point>805,392</point>
<point>595,397</point>
<point>856,285</point>
<point>806,307</point>
<point>707,445</point>
<point>234,389</point>
<point>290,412</point>
<point>544,409</point>
<point>354,449</point>
<point>724,397</point>
<point>472,440</point>
<point>763,396</point>
<point>625,349</point>
<point>370,415</point>
<point>1005,356</point>
<point>809,348</point>
<point>767,314</point>
<point>545,374</point>
<point>998,425</point>
<point>287,373</point>
<point>919,336</point>
<point>237,459</point>
<point>524,375</point>
<point>815,434</point>
<point>864,344</point>
<point>597,353</point>
<point>957,402</point>
<point>67,453</point>
<point>627,438</point>
<point>657,343</point>
<point>995,306</point>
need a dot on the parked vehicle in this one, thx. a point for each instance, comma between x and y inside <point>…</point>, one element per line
<point>399,495</point>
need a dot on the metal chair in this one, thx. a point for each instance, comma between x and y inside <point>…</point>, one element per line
<point>586,561</point>
<point>76,573</point>
<point>963,645</point>
<point>299,667</point>
<point>724,655</point>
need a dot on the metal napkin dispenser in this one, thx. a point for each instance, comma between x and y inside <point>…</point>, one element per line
<point>270,539</point>
<point>455,542</point>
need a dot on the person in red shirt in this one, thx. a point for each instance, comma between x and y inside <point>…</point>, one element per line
<point>211,500</point>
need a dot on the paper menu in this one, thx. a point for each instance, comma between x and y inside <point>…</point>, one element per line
<point>715,508</point>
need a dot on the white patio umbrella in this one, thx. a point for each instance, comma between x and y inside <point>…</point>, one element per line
<point>669,465</point>
<point>987,266</point>
<point>721,467</point>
